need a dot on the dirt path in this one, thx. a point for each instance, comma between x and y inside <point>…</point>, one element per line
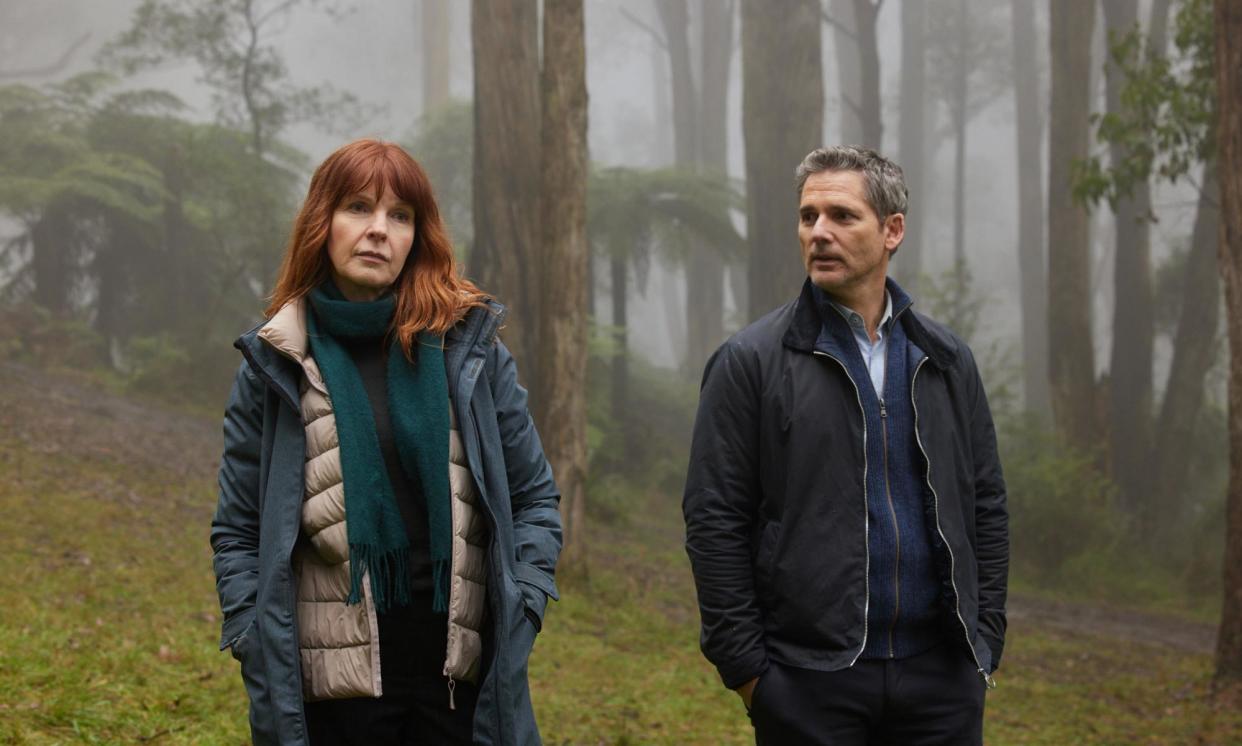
<point>1145,627</point>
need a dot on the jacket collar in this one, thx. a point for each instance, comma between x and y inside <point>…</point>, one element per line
<point>807,321</point>
<point>277,349</point>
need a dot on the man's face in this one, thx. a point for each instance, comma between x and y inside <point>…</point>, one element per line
<point>844,244</point>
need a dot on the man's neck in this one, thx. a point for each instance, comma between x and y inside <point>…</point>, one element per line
<point>866,302</point>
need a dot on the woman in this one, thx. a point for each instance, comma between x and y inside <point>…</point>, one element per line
<point>389,589</point>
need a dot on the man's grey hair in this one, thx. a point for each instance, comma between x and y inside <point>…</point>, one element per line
<point>883,182</point>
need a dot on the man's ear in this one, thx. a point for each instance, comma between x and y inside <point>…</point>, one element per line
<point>894,231</point>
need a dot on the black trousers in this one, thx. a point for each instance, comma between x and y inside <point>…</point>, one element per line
<point>935,697</point>
<point>415,707</point>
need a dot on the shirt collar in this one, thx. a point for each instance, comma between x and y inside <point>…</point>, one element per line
<point>857,323</point>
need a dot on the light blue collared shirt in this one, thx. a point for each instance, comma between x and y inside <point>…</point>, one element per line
<point>874,354</point>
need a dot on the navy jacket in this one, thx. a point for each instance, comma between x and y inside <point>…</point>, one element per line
<point>775,500</point>
<point>258,518</point>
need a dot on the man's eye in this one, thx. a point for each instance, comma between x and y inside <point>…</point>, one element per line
<point>808,218</point>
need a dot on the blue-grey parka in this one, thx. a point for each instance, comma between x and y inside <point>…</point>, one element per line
<point>258,517</point>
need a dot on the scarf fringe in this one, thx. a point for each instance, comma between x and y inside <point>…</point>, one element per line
<point>389,585</point>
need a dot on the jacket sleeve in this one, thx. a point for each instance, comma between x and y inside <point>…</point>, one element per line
<point>235,528</point>
<point>720,507</point>
<point>532,491</point>
<point>991,523</point>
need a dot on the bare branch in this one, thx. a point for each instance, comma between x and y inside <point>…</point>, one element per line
<point>852,105</point>
<point>640,23</point>
<point>838,26</point>
<point>50,69</point>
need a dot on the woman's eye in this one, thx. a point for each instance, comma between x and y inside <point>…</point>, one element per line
<point>357,207</point>
<point>402,217</point>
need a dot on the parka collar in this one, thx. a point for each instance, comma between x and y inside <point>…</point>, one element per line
<point>277,348</point>
<point>806,323</point>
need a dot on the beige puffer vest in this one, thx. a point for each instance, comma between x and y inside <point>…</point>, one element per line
<point>339,643</point>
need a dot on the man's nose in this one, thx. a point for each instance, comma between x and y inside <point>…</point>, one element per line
<point>822,230</point>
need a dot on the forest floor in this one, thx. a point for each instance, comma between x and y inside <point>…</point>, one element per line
<point>110,626</point>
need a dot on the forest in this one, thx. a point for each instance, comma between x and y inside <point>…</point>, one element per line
<point>620,175</point>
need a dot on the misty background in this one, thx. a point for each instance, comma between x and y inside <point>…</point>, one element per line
<point>144,206</point>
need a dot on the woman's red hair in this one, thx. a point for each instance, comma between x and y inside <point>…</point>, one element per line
<point>430,291</point>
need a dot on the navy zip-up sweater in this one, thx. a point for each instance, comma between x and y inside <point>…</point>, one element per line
<point>903,586</point>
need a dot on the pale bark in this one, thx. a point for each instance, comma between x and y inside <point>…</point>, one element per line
<point>1228,19</point>
<point>1071,363</point>
<point>435,48</point>
<point>782,120</point>
<point>507,120</point>
<point>849,68</point>
<point>960,117</point>
<point>562,311</point>
<point>913,139</point>
<point>1029,120</point>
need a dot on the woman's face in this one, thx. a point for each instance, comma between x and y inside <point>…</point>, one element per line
<point>368,242</point>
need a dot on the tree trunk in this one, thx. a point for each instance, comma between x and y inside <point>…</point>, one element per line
<point>435,34</point>
<point>52,259</point>
<point>961,83</point>
<point>782,120</point>
<point>620,335</point>
<point>912,148</point>
<point>1071,363</point>
<point>706,278</point>
<point>1130,366</point>
<point>1194,346</point>
<point>849,69</point>
<point>563,334</point>
<point>870,114</point>
<point>504,36</point>
<point>700,126</point>
<point>1228,19</point>
<point>1030,125</point>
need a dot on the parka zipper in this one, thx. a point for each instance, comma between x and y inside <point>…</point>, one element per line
<point>957,603</point>
<point>866,512</point>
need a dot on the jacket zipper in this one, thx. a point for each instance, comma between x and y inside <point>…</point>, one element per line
<point>892,511</point>
<point>866,513</point>
<point>957,605</point>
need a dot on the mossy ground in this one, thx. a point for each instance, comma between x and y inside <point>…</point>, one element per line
<point>110,626</point>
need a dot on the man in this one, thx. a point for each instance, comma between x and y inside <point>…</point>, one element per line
<point>845,509</point>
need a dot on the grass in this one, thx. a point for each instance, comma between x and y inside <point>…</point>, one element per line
<point>110,627</point>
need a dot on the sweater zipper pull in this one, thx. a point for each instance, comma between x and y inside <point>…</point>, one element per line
<point>451,686</point>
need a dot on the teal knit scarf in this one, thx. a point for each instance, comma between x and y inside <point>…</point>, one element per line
<point>418,408</point>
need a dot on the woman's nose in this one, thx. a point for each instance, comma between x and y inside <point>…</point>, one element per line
<point>377,229</point>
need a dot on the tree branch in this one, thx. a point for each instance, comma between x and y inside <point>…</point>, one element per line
<point>640,23</point>
<point>838,26</point>
<point>49,69</point>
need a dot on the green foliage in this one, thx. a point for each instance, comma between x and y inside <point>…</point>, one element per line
<point>1060,508</point>
<point>1167,109</point>
<point>33,335</point>
<point>632,211</point>
<point>444,144</point>
<point>248,78</point>
<point>646,449</point>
